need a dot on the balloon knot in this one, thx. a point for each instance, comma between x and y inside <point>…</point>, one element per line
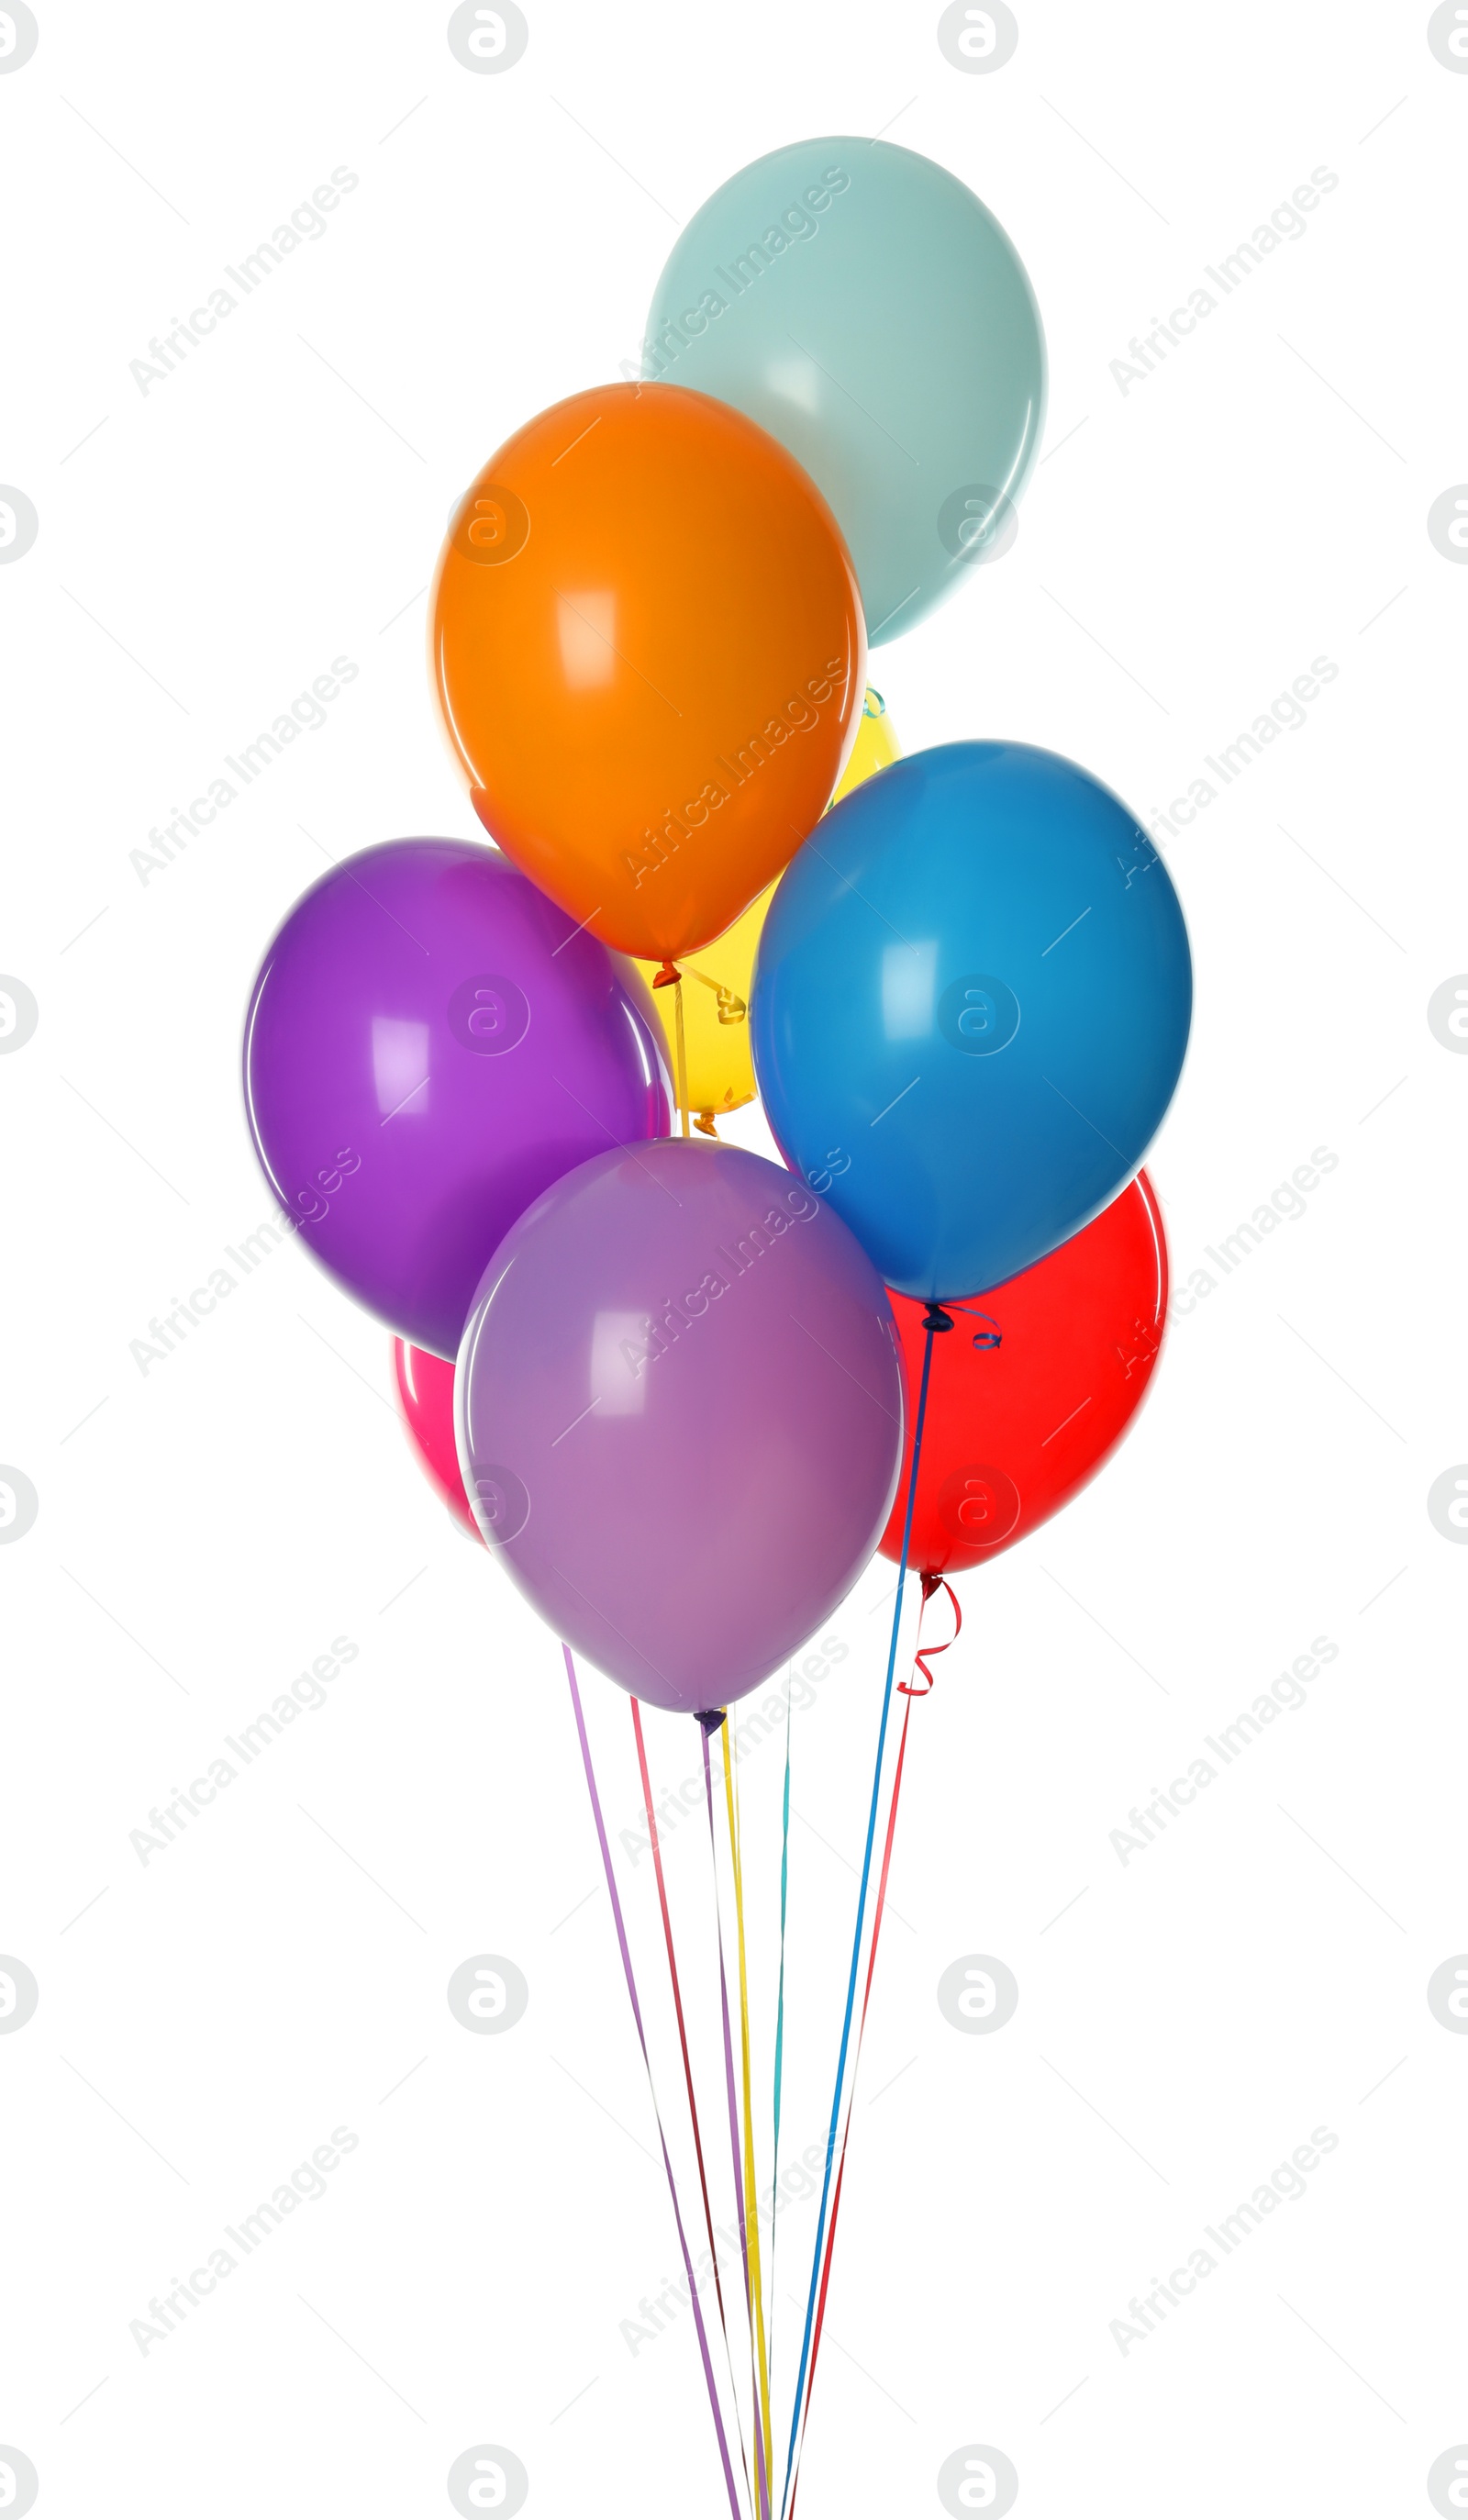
<point>704,1121</point>
<point>931,1584</point>
<point>936,1319</point>
<point>712,1719</point>
<point>665,978</point>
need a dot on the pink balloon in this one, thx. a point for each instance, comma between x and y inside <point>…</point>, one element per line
<point>680,1408</point>
<point>425,1393</point>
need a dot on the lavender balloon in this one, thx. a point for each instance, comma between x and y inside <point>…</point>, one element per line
<point>429,1045</point>
<point>680,1416</point>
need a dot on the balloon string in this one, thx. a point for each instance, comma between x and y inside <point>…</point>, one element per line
<point>779,2016</point>
<point>670,978</point>
<point>683,1063</point>
<point>930,1324</point>
<point>682,2039</point>
<point>931,1584</point>
<point>734,2125</point>
<point>756,2281</point>
<point>637,2015</point>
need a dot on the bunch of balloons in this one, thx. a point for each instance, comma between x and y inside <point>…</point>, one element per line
<point>682,1393</point>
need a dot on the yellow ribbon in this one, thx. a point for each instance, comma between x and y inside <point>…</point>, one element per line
<point>751,2201</point>
<point>731,1007</point>
<point>682,1062</point>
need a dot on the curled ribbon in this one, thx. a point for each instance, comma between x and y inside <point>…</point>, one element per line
<point>732,1008</point>
<point>991,1336</point>
<point>931,1584</point>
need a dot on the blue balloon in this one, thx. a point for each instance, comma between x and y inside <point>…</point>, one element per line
<point>864,306</point>
<point>970,1009</point>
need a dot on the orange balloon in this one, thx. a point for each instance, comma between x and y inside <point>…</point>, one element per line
<point>650,656</point>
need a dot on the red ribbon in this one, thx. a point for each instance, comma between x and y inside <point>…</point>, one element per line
<point>683,2035</point>
<point>637,2014</point>
<point>931,1584</point>
<point>876,1928</point>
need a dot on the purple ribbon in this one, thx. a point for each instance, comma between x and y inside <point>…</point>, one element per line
<point>637,2014</point>
<point>733,2139</point>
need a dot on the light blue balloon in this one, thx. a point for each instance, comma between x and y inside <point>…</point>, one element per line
<point>864,306</point>
<point>969,1011</point>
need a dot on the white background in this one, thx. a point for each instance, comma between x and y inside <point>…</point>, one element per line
<point>1185,550</point>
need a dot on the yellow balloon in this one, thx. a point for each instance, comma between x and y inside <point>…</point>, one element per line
<point>715,987</point>
<point>876,745</point>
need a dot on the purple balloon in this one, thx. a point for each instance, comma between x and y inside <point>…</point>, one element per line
<point>680,1412</point>
<point>429,1045</point>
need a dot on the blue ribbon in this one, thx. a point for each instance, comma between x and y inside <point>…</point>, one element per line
<point>855,1945</point>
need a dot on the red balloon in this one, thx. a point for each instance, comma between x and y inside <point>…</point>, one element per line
<point>1032,1388</point>
<point>425,1389</point>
